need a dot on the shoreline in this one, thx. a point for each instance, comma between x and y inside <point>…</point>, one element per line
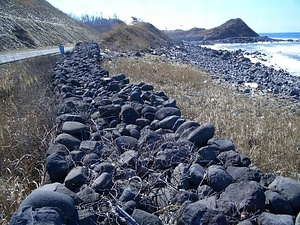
<point>236,70</point>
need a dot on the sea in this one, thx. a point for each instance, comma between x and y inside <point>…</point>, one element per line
<point>280,55</point>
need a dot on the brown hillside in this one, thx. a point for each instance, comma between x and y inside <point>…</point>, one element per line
<point>230,29</point>
<point>134,37</point>
<point>36,23</point>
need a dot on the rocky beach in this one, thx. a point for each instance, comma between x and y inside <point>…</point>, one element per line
<point>125,154</point>
<point>236,70</point>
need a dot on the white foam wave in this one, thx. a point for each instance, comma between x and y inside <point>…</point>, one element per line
<point>284,55</point>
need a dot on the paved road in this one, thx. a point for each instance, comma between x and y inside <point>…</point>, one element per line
<point>10,57</point>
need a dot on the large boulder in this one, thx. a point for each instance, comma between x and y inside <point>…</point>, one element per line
<point>277,204</point>
<point>73,127</point>
<point>197,213</point>
<point>221,144</point>
<point>201,134</point>
<point>246,196</point>
<point>288,188</point>
<point>41,203</point>
<point>129,115</point>
<point>233,158</point>
<point>244,173</point>
<point>31,215</point>
<point>58,166</point>
<point>145,218</point>
<point>172,153</point>
<point>68,140</point>
<point>76,178</point>
<point>164,112</point>
<point>271,219</point>
<point>218,178</point>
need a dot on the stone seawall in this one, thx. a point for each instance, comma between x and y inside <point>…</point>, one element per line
<point>124,154</point>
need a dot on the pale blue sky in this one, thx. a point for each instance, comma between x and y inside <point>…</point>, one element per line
<point>261,15</point>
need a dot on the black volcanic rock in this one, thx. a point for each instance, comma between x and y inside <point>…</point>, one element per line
<point>147,159</point>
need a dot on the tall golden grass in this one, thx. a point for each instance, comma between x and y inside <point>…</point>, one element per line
<point>259,126</point>
<point>25,129</point>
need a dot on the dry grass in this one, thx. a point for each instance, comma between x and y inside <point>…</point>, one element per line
<point>25,129</point>
<point>133,37</point>
<point>269,134</point>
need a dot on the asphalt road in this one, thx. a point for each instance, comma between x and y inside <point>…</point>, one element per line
<point>15,56</point>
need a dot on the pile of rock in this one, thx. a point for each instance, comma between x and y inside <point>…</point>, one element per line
<point>124,154</point>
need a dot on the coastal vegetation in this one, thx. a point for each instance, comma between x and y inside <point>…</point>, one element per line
<point>257,125</point>
<point>27,114</point>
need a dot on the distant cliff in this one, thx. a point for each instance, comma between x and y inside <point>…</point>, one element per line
<point>230,29</point>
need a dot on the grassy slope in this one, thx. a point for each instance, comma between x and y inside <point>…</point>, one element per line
<point>133,37</point>
<point>36,23</point>
<point>259,128</point>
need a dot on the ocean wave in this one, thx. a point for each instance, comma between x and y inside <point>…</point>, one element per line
<point>280,55</point>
